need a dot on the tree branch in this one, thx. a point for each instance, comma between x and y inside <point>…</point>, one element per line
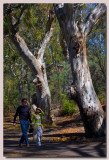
<point>56,65</point>
<point>44,44</point>
<point>17,75</point>
<point>11,68</point>
<point>8,8</point>
<point>25,53</point>
<point>49,32</point>
<point>33,62</point>
<point>10,46</point>
<point>19,19</point>
<point>92,19</point>
<point>51,17</point>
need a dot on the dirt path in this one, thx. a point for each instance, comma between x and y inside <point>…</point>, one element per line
<point>66,139</point>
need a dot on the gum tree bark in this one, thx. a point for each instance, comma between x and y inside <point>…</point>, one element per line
<point>82,88</point>
<point>36,64</point>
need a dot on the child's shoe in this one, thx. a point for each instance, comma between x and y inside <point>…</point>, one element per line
<point>39,144</point>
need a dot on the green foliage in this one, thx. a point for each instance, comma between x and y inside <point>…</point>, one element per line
<point>11,94</point>
<point>63,97</point>
<point>33,25</point>
<point>7,25</point>
<point>68,106</point>
<point>32,28</point>
<point>17,76</point>
<point>59,80</point>
<point>102,99</point>
<point>53,51</point>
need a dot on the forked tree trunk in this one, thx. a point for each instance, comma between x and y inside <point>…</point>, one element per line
<point>82,88</point>
<point>37,66</point>
<point>43,95</point>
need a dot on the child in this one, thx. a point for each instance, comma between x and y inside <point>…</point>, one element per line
<point>36,118</point>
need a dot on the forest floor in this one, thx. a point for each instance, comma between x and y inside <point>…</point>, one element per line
<point>66,138</point>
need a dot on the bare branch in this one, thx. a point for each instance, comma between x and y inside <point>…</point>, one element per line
<point>44,44</point>
<point>25,53</point>
<point>54,64</point>
<point>22,76</point>
<point>49,32</point>
<point>11,68</point>
<point>98,12</point>
<point>10,46</point>
<point>51,17</point>
<point>8,8</point>
<point>19,19</point>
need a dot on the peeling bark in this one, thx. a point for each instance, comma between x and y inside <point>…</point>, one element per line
<point>64,46</point>
<point>37,66</point>
<point>98,12</point>
<point>82,88</point>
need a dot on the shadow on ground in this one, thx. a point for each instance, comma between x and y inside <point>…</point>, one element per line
<point>73,148</point>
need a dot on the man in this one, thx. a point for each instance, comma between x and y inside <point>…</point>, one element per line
<point>25,118</point>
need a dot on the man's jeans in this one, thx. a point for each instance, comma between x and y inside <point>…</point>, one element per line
<point>24,127</point>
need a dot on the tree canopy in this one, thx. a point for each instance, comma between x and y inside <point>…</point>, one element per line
<point>32,23</point>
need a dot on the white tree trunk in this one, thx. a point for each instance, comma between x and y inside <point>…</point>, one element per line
<point>84,94</point>
<point>82,87</point>
<point>37,67</point>
<point>36,63</point>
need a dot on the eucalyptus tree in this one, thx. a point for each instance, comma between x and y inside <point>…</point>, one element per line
<point>14,14</point>
<point>97,60</point>
<point>75,31</point>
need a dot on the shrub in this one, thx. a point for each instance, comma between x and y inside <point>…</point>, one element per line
<point>68,106</point>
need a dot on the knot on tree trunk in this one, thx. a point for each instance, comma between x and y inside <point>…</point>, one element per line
<point>73,92</point>
<point>77,46</point>
<point>77,42</point>
<point>38,82</point>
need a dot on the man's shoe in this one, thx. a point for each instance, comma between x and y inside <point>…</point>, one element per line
<point>21,145</point>
<point>28,146</point>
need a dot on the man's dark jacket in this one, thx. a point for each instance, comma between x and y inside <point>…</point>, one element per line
<point>23,112</point>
